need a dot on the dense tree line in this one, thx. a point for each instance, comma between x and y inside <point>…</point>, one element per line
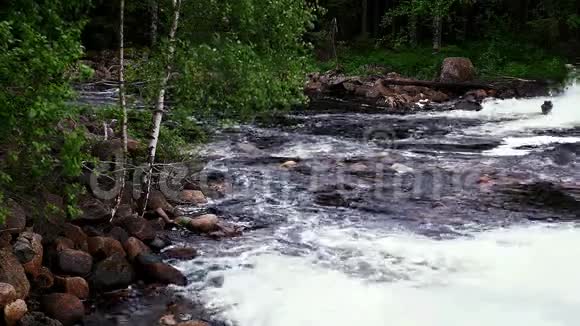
<point>540,21</point>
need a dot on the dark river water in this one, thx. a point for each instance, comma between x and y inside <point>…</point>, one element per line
<point>443,219</point>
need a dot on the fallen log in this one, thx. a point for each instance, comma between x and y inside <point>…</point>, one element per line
<point>438,85</point>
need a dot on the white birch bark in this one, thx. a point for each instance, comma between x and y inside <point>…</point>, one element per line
<point>160,104</point>
<point>122,104</point>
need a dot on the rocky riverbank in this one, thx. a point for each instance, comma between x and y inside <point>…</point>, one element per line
<point>56,271</point>
<point>456,88</point>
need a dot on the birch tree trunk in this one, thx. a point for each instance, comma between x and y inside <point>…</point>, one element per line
<point>122,103</point>
<point>154,21</point>
<point>437,32</point>
<point>160,105</point>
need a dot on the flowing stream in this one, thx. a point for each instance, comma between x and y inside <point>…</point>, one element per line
<point>399,220</point>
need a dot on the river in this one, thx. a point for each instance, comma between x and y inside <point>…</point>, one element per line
<point>434,219</point>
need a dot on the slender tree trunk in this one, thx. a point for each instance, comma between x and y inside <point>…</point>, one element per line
<point>154,21</point>
<point>364,21</point>
<point>160,104</point>
<point>437,32</point>
<point>122,103</point>
<point>413,28</point>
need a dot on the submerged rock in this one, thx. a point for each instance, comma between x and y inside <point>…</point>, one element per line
<point>153,269</point>
<point>181,253</point>
<point>113,273</point>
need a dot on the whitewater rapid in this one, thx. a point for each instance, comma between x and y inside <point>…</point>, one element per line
<point>506,277</point>
<point>314,273</point>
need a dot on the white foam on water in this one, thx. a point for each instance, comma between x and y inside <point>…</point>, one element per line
<point>510,145</point>
<point>516,276</point>
<point>517,115</point>
<point>525,114</point>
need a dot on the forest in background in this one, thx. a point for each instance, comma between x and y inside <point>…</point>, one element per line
<point>234,60</point>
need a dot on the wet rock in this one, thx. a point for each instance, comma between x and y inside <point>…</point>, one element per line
<point>401,168</point>
<point>157,244</point>
<point>289,165</point>
<point>158,224</point>
<point>103,247</point>
<point>75,262</point>
<point>468,105</point>
<point>119,234</point>
<point>457,69</point>
<point>76,286</point>
<point>38,319</point>
<point>63,307</point>
<point>14,311</point>
<point>476,95</point>
<point>12,272</point>
<point>7,294</point>
<point>216,281</point>
<point>139,228</point>
<point>28,247</point>
<point>204,224</point>
<point>154,270</point>
<point>181,253</point>
<point>331,198</point>
<point>115,272</point>
<point>193,197</point>
<point>134,247</point>
<point>15,221</point>
<point>76,234</point>
<point>159,204</point>
<point>193,323</point>
<point>168,320</point>
<point>226,230</point>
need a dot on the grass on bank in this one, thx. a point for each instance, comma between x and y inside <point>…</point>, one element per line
<point>491,59</point>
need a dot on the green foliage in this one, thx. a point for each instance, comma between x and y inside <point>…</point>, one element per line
<point>235,58</point>
<point>492,59</point>
<point>39,44</point>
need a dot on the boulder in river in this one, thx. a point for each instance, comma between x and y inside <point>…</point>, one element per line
<point>12,272</point>
<point>153,269</point>
<point>134,247</point>
<point>457,70</point>
<point>193,197</point>
<point>63,307</point>
<point>183,253</point>
<point>115,272</point>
